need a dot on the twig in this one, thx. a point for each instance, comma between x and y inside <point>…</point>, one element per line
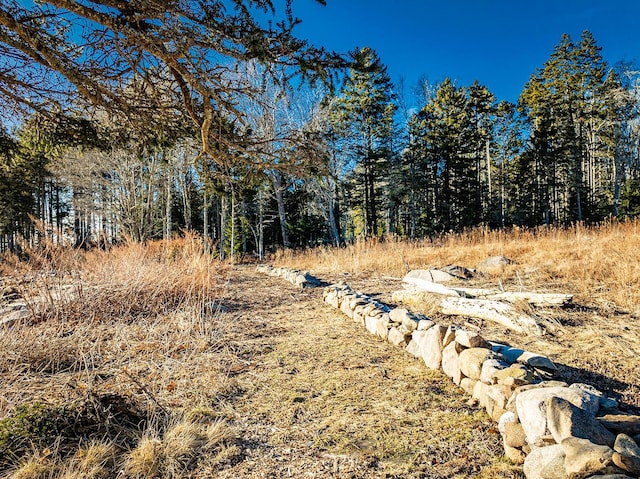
<point>145,390</point>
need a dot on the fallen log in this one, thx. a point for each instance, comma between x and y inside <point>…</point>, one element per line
<point>498,312</point>
<point>535,299</point>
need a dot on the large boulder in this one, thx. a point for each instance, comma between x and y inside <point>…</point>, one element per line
<point>545,463</point>
<point>531,408</point>
<point>584,458</point>
<point>566,420</point>
<point>627,454</point>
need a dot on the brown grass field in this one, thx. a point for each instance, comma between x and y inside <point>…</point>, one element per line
<point>158,361</point>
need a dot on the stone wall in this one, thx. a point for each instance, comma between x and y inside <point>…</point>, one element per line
<point>554,429</point>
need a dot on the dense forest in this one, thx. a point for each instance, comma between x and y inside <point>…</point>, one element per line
<point>142,119</point>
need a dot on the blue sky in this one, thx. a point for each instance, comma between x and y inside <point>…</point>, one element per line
<point>500,43</point>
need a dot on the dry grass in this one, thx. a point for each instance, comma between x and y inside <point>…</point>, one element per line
<point>596,341</point>
<point>599,263</point>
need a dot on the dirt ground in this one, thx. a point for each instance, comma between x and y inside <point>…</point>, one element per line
<point>318,397</point>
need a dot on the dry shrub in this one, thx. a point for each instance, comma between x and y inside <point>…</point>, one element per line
<point>182,448</point>
<point>597,263</point>
<point>129,281</point>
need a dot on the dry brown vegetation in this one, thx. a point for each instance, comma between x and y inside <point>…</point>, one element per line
<point>158,361</point>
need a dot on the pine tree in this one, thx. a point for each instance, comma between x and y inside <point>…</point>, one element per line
<point>362,116</point>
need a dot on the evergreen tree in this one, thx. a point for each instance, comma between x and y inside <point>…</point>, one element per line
<point>362,115</point>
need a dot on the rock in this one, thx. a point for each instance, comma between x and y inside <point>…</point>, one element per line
<point>531,408</point>
<point>489,367</point>
<point>514,375</point>
<point>425,324</point>
<point>493,264</point>
<point>605,402</point>
<point>471,360</point>
<point>413,348</point>
<point>467,385</point>
<point>566,420</point>
<point>431,346</point>
<point>397,337</point>
<point>449,335</point>
<point>450,365</point>
<point>584,458</point>
<point>433,275</point>
<point>515,455</point>
<point>621,423</point>
<point>627,454</point>
<point>459,272</point>
<point>470,339</point>
<point>511,430</point>
<point>545,460</point>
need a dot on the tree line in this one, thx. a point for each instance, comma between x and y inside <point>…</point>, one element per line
<point>143,119</point>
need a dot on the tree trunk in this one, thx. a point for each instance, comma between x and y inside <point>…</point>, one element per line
<point>278,188</point>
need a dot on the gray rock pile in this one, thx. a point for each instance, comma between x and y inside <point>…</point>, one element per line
<point>554,429</point>
<point>302,279</point>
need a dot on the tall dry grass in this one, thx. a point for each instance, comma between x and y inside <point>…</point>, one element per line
<point>596,263</point>
<point>129,281</point>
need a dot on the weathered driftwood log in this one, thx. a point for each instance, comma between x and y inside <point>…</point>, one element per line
<point>496,311</point>
<point>489,310</point>
<point>535,299</point>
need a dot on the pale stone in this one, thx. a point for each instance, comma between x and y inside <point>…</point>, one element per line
<point>511,405</point>
<point>471,361</point>
<point>627,454</point>
<point>549,460</point>
<point>431,346</point>
<point>467,385</point>
<point>450,364</point>
<point>566,420</point>
<point>514,375</point>
<point>433,275</point>
<point>584,458</point>
<point>470,339</point>
<point>531,408</point>
<point>489,367</point>
<point>413,348</point>
<point>359,314</point>
<point>346,308</point>
<point>425,324</point>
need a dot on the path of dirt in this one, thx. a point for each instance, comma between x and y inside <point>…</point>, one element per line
<point>317,397</point>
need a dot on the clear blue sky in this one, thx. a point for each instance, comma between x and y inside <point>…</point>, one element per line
<point>500,43</point>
